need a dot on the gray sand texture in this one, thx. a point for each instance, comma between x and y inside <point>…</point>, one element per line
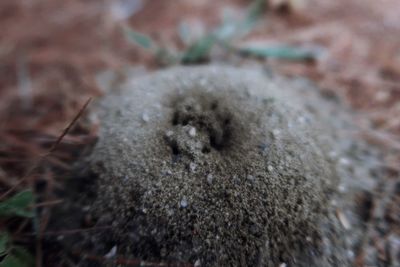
<point>219,166</point>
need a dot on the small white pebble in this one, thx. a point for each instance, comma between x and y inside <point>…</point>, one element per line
<point>395,241</point>
<point>184,202</point>
<point>145,117</point>
<point>270,168</point>
<point>192,166</point>
<point>276,132</point>
<point>282,264</point>
<point>333,154</point>
<point>344,161</point>
<point>250,177</point>
<point>203,82</point>
<point>192,132</point>
<point>85,208</point>
<point>112,252</point>
<point>197,263</point>
<point>343,219</point>
<point>170,212</point>
<point>210,178</point>
<point>350,254</point>
<point>169,133</point>
<point>342,188</point>
<point>301,119</point>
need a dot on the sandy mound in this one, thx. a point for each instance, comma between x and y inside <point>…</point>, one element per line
<point>211,166</point>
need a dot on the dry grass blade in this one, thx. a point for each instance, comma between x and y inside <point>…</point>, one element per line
<point>66,130</point>
<point>53,147</point>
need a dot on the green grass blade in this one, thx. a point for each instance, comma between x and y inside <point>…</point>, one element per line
<point>138,38</point>
<point>255,11</point>
<point>23,255</point>
<point>11,261</point>
<point>4,241</point>
<point>18,205</point>
<point>200,50</point>
<point>279,52</point>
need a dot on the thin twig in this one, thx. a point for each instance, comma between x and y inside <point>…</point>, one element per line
<point>49,203</point>
<point>70,126</point>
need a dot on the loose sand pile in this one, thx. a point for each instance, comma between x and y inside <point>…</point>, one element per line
<point>219,166</point>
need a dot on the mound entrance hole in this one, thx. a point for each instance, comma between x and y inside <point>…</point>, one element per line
<point>209,114</point>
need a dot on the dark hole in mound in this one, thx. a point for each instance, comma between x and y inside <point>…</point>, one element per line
<point>365,204</point>
<point>208,114</point>
<point>205,150</point>
<point>174,148</point>
<point>214,105</point>
<point>219,140</point>
<point>175,118</point>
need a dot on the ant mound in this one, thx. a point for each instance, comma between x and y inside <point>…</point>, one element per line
<point>210,166</point>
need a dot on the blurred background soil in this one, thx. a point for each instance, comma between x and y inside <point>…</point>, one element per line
<point>51,52</point>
